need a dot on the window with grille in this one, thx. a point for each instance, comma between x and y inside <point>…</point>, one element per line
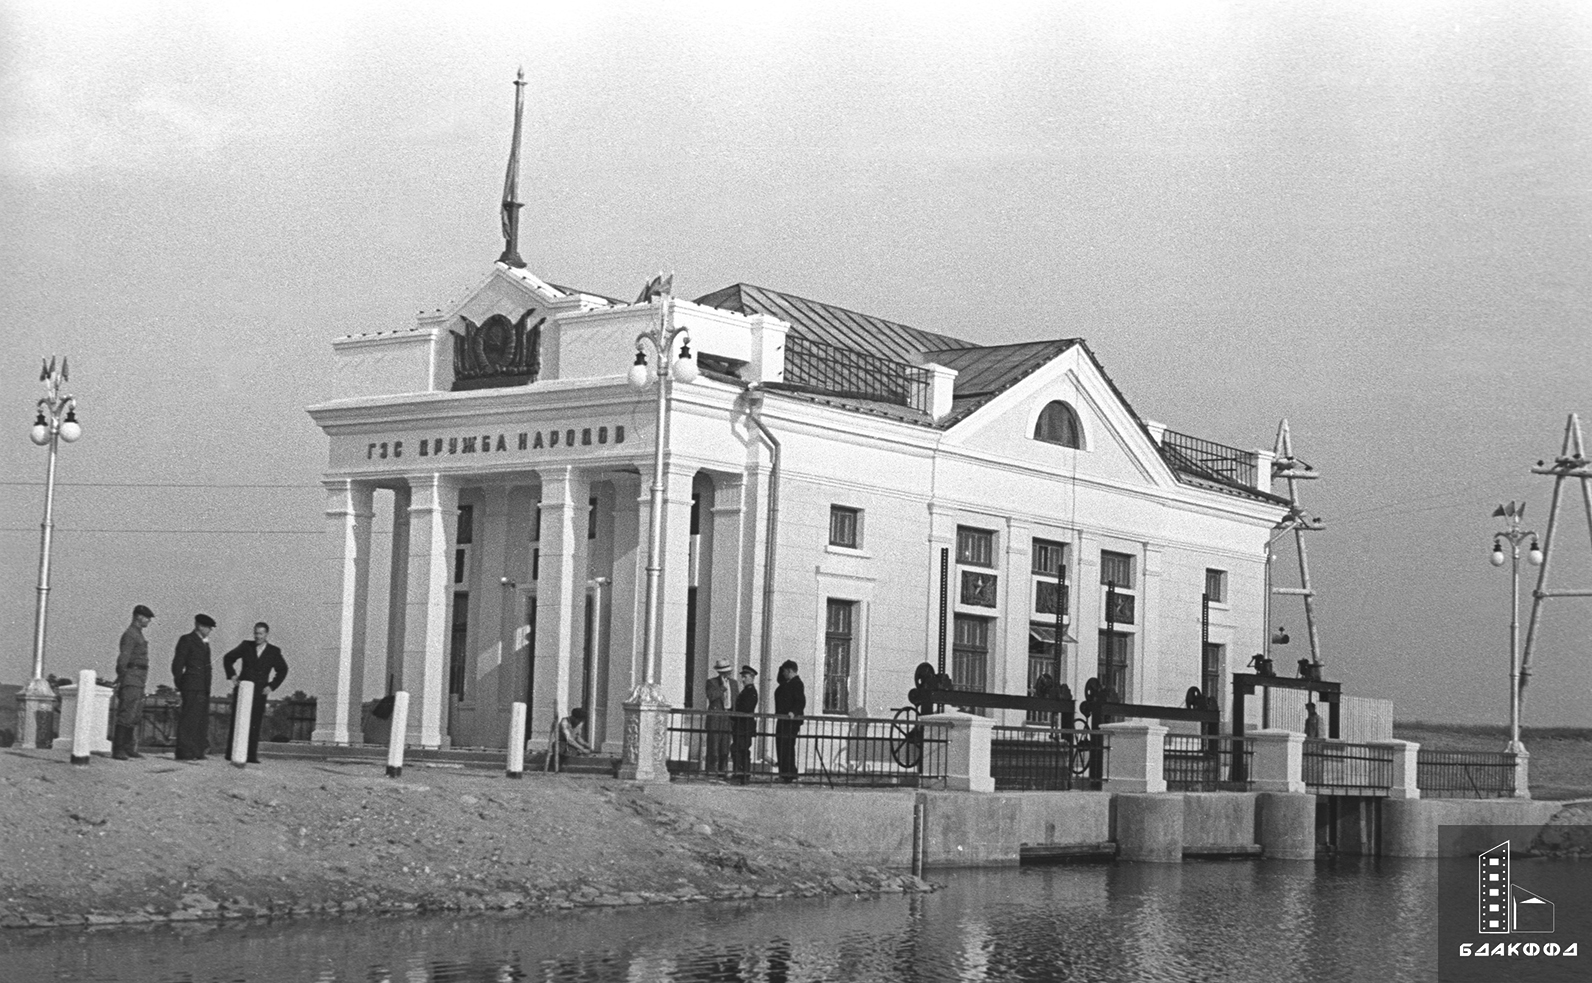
<point>970,653</point>
<point>1216,585</point>
<point>1116,651</point>
<point>1048,557</point>
<point>845,527</point>
<point>458,651</point>
<point>464,535</point>
<point>1043,640</point>
<point>839,639</point>
<point>1211,668</point>
<point>1116,568</point>
<point>975,547</point>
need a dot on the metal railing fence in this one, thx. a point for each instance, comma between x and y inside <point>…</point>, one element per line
<point>827,751</point>
<point>1346,768</point>
<point>1216,459</point>
<point>843,372</point>
<point>1206,763</point>
<point>1465,774</point>
<point>1039,759</point>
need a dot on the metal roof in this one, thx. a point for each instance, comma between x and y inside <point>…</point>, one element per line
<point>830,324</point>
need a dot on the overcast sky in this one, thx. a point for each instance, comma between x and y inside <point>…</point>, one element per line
<point>1371,218</point>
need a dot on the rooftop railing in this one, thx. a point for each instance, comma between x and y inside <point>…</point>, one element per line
<point>837,371</point>
<point>1215,459</point>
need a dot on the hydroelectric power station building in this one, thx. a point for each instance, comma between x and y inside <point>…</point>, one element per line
<point>838,489</point>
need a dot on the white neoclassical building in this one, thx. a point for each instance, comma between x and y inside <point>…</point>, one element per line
<point>838,489</point>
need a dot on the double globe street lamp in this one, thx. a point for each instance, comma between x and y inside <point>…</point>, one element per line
<point>672,367</point>
<point>1515,536</point>
<point>56,422</point>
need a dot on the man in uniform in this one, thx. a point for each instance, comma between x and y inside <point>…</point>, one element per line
<point>790,705</point>
<point>191,671</point>
<point>263,666</point>
<point>132,671</point>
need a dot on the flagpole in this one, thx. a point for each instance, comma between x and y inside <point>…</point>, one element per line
<point>511,184</point>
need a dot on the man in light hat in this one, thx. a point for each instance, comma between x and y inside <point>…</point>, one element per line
<point>190,670</point>
<point>721,690</point>
<point>132,671</point>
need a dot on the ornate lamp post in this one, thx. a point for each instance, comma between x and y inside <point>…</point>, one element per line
<point>1515,535</point>
<point>646,710</point>
<point>56,422</point>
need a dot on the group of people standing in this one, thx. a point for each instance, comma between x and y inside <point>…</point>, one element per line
<point>731,724</point>
<point>254,660</point>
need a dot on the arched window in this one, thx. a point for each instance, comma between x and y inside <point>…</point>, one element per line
<point>1058,424</point>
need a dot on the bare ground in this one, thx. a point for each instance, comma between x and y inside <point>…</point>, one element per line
<point>156,839</point>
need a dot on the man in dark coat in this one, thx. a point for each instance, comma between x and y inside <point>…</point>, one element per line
<point>790,704</point>
<point>262,665</point>
<point>132,672</point>
<point>743,726</point>
<point>191,671</point>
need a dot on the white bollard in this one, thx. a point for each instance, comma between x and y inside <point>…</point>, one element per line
<point>395,736</point>
<point>517,741</point>
<point>240,724</point>
<point>83,726</point>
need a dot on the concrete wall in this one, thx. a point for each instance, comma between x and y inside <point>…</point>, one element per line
<point>984,830</point>
<point>1214,821</point>
<point>1409,826</point>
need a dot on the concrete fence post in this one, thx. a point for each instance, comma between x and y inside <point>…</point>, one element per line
<point>1279,761</point>
<point>240,724</point>
<point>967,750</point>
<point>83,724</point>
<point>1406,765</point>
<point>87,709</point>
<point>646,748</point>
<point>1135,757</point>
<point>399,729</point>
<point>1522,774</point>
<point>516,767</point>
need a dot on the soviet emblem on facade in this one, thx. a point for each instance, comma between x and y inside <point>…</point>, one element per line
<point>497,352</point>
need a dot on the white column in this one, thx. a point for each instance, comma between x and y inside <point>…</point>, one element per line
<point>675,578</point>
<point>1009,666</point>
<point>433,516</point>
<point>728,568</point>
<point>345,599</point>
<point>560,594</point>
<point>626,603</point>
<point>1135,757</point>
<point>397,590</point>
<point>491,601</point>
<point>1279,761</point>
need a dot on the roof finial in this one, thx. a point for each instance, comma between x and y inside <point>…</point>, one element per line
<point>511,184</point>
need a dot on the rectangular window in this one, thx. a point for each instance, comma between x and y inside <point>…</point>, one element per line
<point>970,653</point>
<point>1116,568</point>
<point>839,637</point>
<point>1049,557</point>
<point>464,535</point>
<point>845,527</point>
<point>975,547</point>
<point>1116,650</point>
<point>1216,585</point>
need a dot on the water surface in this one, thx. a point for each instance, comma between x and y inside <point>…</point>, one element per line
<point>1264,921</point>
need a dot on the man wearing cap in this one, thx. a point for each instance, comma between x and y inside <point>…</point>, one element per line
<point>191,671</point>
<point>744,725</point>
<point>262,665</point>
<point>721,691</point>
<point>132,671</point>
